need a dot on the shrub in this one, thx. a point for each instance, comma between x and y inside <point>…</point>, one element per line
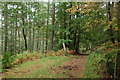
<point>60,52</point>
<point>23,57</point>
<point>108,45</point>
<point>57,54</point>
<point>6,60</point>
<point>71,52</point>
<point>102,61</point>
<point>37,55</point>
<point>50,53</point>
<point>46,54</point>
<point>10,60</point>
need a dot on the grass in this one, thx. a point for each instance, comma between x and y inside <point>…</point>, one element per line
<point>38,68</point>
<point>90,69</point>
<point>0,65</point>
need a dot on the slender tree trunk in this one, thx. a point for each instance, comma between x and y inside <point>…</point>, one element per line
<point>2,41</point>
<point>29,43</point>
<point>69,35</point>
<point>23,29</point>
<point>38,40</point>
<point>29,38</point>
<point>74,37</point>
<point>52,31</point>
<point>118,20</point>
<point>19,41</point>
<point>43,41</point>
<point>33,39</point>
<point>64,20</point>
<point>47,26</point>
<point>24,36</point>
<point>11,40</point>
<point>110,20</point>
<point>25,40</point>
<point>15,41</point>
<point>16,28</point>
<point>6,29</point>
<point>77,33</point>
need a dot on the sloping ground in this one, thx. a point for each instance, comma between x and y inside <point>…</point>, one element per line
<point>49,67</point>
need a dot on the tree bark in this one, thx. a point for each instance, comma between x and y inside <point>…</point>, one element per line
<point>2,40</point>
<point>6,29</point>
<point>25,40</point>
<point>118,20</point>
<point>38,37</point>
<point>23,31</point>
<point>47,26</point>
<point>16,28</point>
<point>19,41</point>
<point>52,30</point>
<point>69,35</point>
<point>110,20</point>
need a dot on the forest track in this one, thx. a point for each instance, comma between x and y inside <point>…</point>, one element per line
<point>50,67</point>
<point>73,68</point>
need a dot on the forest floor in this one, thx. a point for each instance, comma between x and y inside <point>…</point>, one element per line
<point>73,68</point>
<point>50,67</point>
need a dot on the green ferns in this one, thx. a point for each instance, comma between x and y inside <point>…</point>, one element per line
<point>10,60</point>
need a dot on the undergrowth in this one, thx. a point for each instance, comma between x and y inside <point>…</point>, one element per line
<point>9,60</point>
<point>39,68</point>
<point>101,63</point>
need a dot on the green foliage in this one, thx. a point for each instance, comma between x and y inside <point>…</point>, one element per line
<point>108,45</point>
<point>10,60</point>
<point>41,68</point>
<point>92,65</point>
<point>20,58</point>
<point>64,41</point>
<point>101,63</point>
<point>6,60</point>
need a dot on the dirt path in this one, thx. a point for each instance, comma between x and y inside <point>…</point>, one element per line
<point>73,68</point>
<point>59,67</point>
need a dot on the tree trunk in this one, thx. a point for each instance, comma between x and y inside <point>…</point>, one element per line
<point>6,29</point>
<point>2,40</point>
<point>23,29</point>
<point>64,20</point>
<point>29,39</point>
<point>47,26</point>
<point>33,39</point>
<point>24,35</point>
<point>38,37</point>
<point>69,35</point>
<point>19,41</point>
<point>52,30</point>
<point>25,40</point>
<point>118,20</point>
<point>43,41</point>
<point>110,20</point>
<point>15,41</point>
<point>11,40</point>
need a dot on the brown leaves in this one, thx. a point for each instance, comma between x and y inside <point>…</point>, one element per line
<point>20,58</point>
<point>59,53</point>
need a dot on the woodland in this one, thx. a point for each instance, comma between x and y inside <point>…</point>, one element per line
<point>60,39</point>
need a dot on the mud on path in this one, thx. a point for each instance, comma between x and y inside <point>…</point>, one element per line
<point>73,68</point>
